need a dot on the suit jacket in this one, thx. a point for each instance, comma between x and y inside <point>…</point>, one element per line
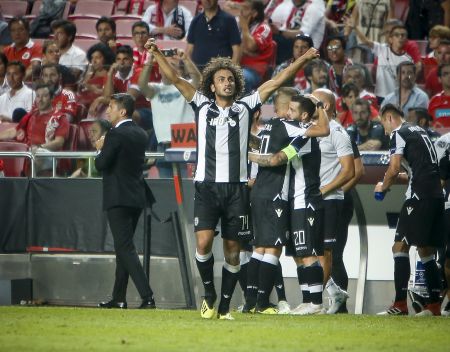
<point>121,161</point>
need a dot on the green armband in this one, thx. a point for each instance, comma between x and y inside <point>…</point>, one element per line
<point>290,152</point>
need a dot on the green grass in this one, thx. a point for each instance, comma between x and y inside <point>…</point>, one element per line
<point>88,329</point>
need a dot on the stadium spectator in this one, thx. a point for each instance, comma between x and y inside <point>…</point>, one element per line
<point>123,77</point>
<point>167,19</point>
<point>213,33</point>
<point>316,72</point>
<point>336,11</point>
<point>257,47</point>
<point>165,97</point>
<point>106,32</point>
<point>100,58</point>
<point>71,56</point>
<point>439,106</point>
<point>63,100</point>
<point>350,93</point>
<point>23,49</point>
<point>421,117</point>
<point>339,62</point>
<point>359,75</point>
<point>436,34</point>
<point>50,10</point>
<point>432,83</point>
<point>43,127</point>
<point>421,218</point>
<point>301,45</point>
<point>408,95</point>
<point>389,56</point>
<point>297,17</point>
<point>19,96</point>
<point>422,16</point>
<point>3,81</point>
<point>366,133</point>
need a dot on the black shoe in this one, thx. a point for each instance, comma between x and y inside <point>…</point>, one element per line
<point>113,304</point>
<point>148,304</point>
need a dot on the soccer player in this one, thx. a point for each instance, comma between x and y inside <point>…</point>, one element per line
<point>223,122</point>
<point>269,200</point>
<point>421,220</point>
<point>336,169</point>
<point>306,210</point>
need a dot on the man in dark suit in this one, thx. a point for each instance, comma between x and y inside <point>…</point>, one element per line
<point>124,195</point>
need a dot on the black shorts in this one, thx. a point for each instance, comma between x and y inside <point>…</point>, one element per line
<point>270,222</point>
<point>332,216</point>
<point>306,235</point>
<point>421,223</point>
<point>447,233</point>
<point>227,202</point>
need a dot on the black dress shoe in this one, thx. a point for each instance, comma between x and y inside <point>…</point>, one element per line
<point>148,304</point>
<point>113,304</point>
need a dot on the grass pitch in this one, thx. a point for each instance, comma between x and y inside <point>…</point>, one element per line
<point>88,329</point>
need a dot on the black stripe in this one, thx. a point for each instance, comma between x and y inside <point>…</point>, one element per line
<point>210,147</point>
<point>234,148</point>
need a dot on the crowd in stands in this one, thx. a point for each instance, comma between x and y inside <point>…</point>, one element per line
<point>372,53</point>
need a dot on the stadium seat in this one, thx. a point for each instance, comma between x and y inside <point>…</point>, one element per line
<point>10,9</point>
<point>124,16</point>
<point>34,10</point>
<point>86,28</point>
<point>120,7</point>
<point>123,27</point>
<point>92,9</point>
<point>190,5</point>
<point>84,43</point>
<point>13,167</point>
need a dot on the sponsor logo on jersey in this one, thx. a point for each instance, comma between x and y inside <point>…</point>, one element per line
<point>222,120</point>
<point>311,221</point>
<point>409,210</point>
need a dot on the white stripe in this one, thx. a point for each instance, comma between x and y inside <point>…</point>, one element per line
<point>201,145</point>
<point>315,288</point>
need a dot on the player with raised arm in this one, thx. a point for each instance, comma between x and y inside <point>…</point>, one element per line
<point>223,121</point>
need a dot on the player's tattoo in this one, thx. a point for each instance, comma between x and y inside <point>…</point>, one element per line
<point>268,160</point>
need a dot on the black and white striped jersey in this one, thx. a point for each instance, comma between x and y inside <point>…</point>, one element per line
<point>334,146</point>
<point>273,182</point>
<point>442,146</point>
<point>304,187</point>
<point>419,159</point>
<point>222,138</point>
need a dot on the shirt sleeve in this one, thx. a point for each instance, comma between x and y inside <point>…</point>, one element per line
<point>63,129</point>
<point>262,37</point>
<point>314,14</point>
<point>253,100</point>
<point>36,52</point>
<point>299,146</point>
<point>377,48</point>
<point>341,142</point>
<point>235,36</point>
<point>397,144</point>
<point>198,99</point>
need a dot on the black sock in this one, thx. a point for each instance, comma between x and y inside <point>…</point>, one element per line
<point>206,270</point>
<point>302,281</point>
<point>267,273</point>
<point>229,280</point>
<point>252,282</point>
<point>402,271</point>
<point>314,275</point>
<point>279,284</point>
<point>433,280</point>
<point>339,273</point>
<point>243,277</point>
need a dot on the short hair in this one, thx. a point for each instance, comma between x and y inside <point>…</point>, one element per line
<point>392,108</point>
<point>316,63</point>
<point>441,67</point>
<point>439,31</point>
<point>68,27</point>
<point>422,113</point>
<point>46,44</point>
<point>284,91</point>
<point>4,59</point>
<point>105,50</point>
<point>18,64</point>
<point>403,64</point>
<point>57,67</point>
<point>125,49</point>
<point>364,72</point>
<point>217,64</point>
<point>336,37</point>
<point>362,102</point>
<point>306,38</point>
<point>124,101</point>
<point>398,26</point>
<point>105,125</point>
<point>140,24</point>
<point>305,104</point>
<point>18,19</point>
<point>107,20</point>
<point>41,85</point>
<point>348,88</point>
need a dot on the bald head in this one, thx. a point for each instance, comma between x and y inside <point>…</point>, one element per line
<point>326,96</point>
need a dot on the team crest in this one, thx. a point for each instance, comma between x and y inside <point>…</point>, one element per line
<point>196,221</point>
<point>236,108</point>
<point>26,55</point>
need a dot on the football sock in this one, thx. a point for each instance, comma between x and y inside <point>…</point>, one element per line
<point>230,275</point>
<point>314,275</point>
<point>302,281</point>
<point>279,284</point>
<point>205,266</point>
<point>339,273</point>
<point>267,270</point>
<point>252,279</point>
<point>432,278</point>
<point>244,258</point>
<point>402,271</point>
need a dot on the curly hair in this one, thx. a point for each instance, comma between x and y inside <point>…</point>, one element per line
<point>217,64</point>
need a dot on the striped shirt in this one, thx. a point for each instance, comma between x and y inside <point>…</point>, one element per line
<point>222,138</point>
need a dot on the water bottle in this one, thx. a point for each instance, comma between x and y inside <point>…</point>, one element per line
<point>379,196</point>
